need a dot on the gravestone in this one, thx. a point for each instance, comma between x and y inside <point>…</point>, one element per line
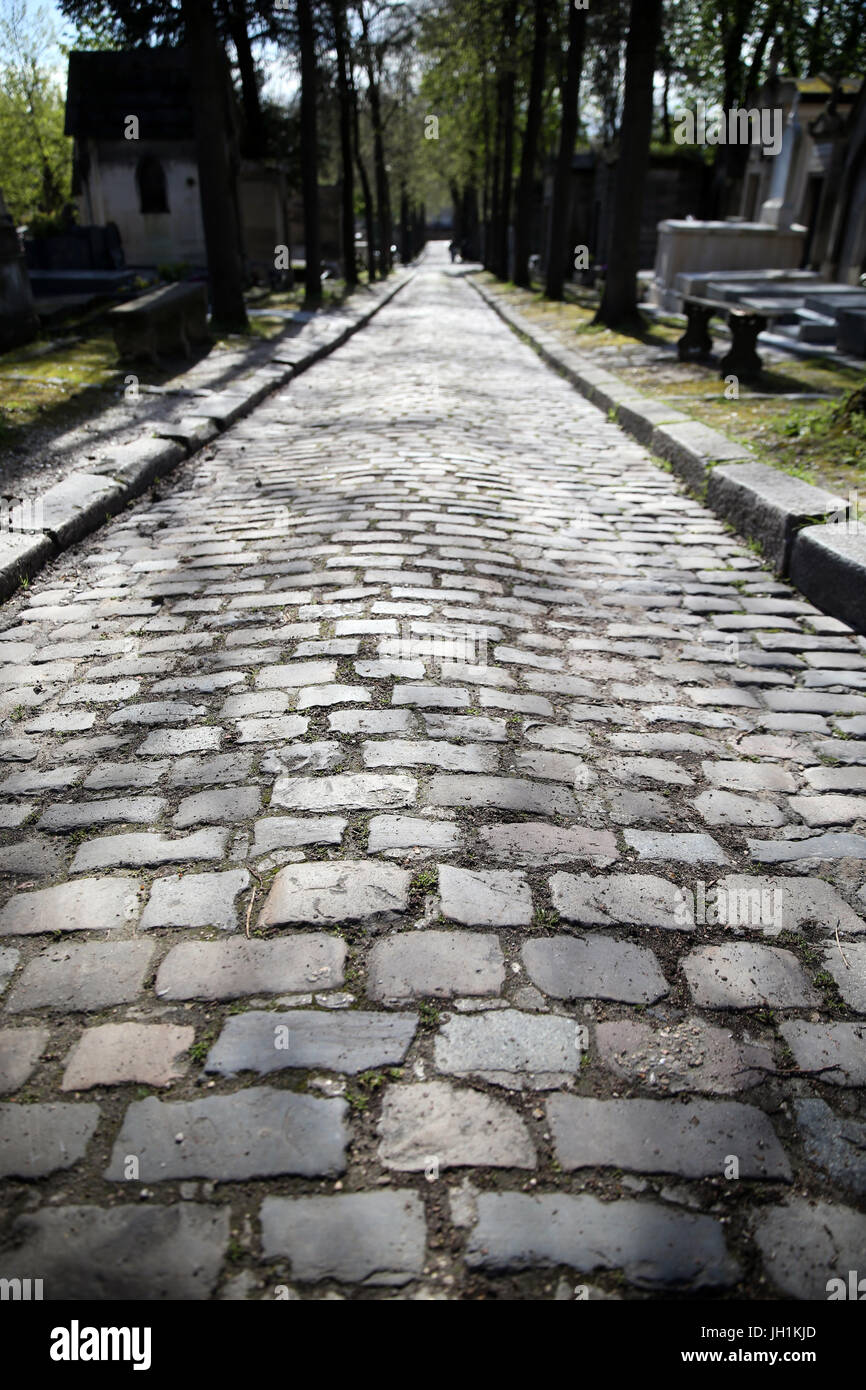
<point>18,321</point>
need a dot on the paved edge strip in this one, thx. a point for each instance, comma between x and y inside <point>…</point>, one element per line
<point>83,501</point>
<point>781,513</point>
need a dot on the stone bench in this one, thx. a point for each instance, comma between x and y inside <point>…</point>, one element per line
<point>162,323</point>
<point>745,324</point>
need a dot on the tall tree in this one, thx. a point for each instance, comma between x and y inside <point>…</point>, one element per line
<point>237,20</point>
<point>526,182</point>
<point>371,58</point>
<point>208,81</point>
<point>366,190</point>
<point>309,155</point>
<point>347,182</point>
<point>507,85</point>
<point>618,306</point>
<point>35,156</point>
<point>560,212</point>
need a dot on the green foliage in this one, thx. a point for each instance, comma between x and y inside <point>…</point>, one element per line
<point>35,155</point>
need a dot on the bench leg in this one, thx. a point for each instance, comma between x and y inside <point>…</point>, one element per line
<point>696,341</point>
<point>743,361</point>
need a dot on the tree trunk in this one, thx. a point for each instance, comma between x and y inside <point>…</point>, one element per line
<point>309,156</point>
<point>738,14</point>
<point>509,83</point>
<point>405,228</point>
<point>383,196</point>
<point>529,154</point>
<point>254,128</point>
<point>619,302</point>
<point>380,172</point>
<point>209,99</point>
<point>347,190</point>
<point>369,225</point>
<point>560,214</point>
<point>491,241</point>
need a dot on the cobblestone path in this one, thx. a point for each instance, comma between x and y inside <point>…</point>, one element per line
<point>433,865</point>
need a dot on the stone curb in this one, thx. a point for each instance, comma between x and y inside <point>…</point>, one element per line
<point>828,565</point>
<point>83,501</point>
<point>781,513</point>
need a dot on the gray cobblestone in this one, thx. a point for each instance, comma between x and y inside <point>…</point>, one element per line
<point>368,1238</point>
<point>82,978</point>
<point>258,1132</point>
<point>345,891</point>
<point>743,976</point>
<point>266,1042</point>
<point>88,904</point>
<point>653,1245</point>
<point>36,1140</point>
<point>658,1136</point>
<point>457,1128</point>
<point>235,967</point>
<point>124,1252</point>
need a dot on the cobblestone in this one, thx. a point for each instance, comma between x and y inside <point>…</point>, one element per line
<point>232,968</point>
<point>452,737</point>
<point>656,1136</point>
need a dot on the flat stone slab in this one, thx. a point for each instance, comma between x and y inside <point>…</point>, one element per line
<point>230,969</point>
<point>541,844</point>
<point>87,904</point>
<point>347,890</point>
<point>371,1238</point>
<point>76,815</point>
<point>228,804</point>
<point>828,565</point>
<point>512,1049</point>
<point>691,1055</point>
<point>749,777</point>
<point>434,1123</point>
<point>743,976</point>
<point>148,850</point>
<point>594,967</point>
<point>657,1136</point>
<point>290,832</point>
<point>349,791</point>
<point>434,965</point>
<point>34,858</point>
<point>504,793</point>
<point>772,904</point>
<point>255,1133</point>
<point>195,900</point>
<point>20,1050</point>
<point>835,1051</point>
<point>621,899</point>
<point>832,846</point>
<point>835,1143</point>
<point>134,1252</point>
<point>9,958</point>
<point>114,1053</point>
<point>399,835</point>
<point>83,978</point>
<point>350,1041</point>
<point>39,1139</point>
<point>686,848</point>
<point>653,1245</point>
<point>809,1247</point>
<point>848,968</point>
<point>452,757</point>
<point>485,898</point>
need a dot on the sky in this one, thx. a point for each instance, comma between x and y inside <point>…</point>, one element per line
<point>281,82</point>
